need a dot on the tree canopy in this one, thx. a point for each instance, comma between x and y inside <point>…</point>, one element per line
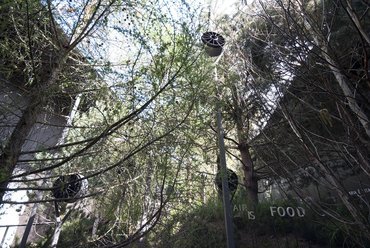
<point>120,97</point>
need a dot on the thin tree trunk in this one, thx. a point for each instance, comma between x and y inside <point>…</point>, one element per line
<point>95,225</point>
<point>342,80</point>
<point>13,147</point>
<point>352,14</point>
<point>331,179</point>
<point>343,83</point>
<point>250,180</point>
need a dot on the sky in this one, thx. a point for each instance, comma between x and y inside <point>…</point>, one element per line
<point>118,48</point>
<point>222,7</point>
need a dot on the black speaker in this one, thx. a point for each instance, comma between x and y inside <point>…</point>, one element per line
<point>67,188</point>
<point>214,43</point>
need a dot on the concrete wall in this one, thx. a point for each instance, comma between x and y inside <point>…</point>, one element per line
<point>46,133</point>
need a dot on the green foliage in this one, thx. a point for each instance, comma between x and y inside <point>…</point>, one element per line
<point>204,227</point>
<point>76,233</point>
<point>127,136</point>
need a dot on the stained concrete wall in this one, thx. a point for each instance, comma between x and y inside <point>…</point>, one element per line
<point>46,133</point>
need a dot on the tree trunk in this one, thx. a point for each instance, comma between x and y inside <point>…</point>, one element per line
<point>250,181</point>
<point>13,147</point>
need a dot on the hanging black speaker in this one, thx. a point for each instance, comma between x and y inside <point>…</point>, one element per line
<point>232,180</point>
<point>214,43</point>
<point>68,188</point>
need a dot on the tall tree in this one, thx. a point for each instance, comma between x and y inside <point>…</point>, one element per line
<point>319,129</point>
<point>128,137</point>
<point>45,52</point>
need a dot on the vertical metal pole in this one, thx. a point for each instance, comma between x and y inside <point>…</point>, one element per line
<point>4,237</point>
<point>225,186</point>
<point>39,194</point>
<point>31,220</point>
<point>29,226</point>
<point>58,226</point>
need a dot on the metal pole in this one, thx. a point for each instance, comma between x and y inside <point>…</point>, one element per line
<point>34,224</point>
<point>225,186</point>
<point>209,38</point>
<point>30,220</point>
<point>224,176</point>
<point>39,194</point>
<point>58,226</point>
<point>4,237</point>
<point>28,226</point>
